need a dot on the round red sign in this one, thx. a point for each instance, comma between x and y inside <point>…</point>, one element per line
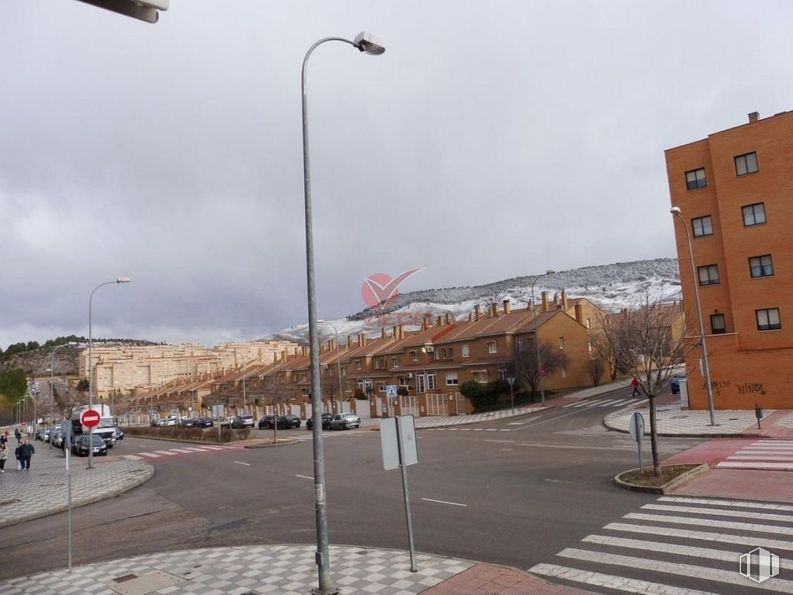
<point>90,418</point>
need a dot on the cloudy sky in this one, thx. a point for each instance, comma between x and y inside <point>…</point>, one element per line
<point>492,139</point>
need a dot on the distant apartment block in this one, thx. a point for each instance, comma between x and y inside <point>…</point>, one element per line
<point>735,192</point>
<point>122,369</point>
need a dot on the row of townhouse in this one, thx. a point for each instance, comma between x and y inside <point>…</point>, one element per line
<point>437,358</point>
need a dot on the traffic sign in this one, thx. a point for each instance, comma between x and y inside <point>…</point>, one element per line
<point>90,418</point>
<point>391,390</point>
<point>637,426</point>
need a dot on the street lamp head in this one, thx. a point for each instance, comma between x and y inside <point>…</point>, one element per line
<point>675,211</point>
<point>123,280</point>
<point>366,42</point>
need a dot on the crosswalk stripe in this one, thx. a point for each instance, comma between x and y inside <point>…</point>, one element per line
<point>666,548</point>
<point>744,457</point>
<point>149,454</point>
<point>607,402</point>
<point>678,569</point>
<point>767,516</point>
<point>182,450</point>
<point>682,520</point>
<point>767,448</point>
<point>728,503</point>
<point>570,405</point>
<point>759,465</point>
<point>582,404</point>
<point>194,449</point>
<point>700,535</point>
<point>166,452</point>
<point>626,401</point>
<point>132,457</point>
<point>610,581</point>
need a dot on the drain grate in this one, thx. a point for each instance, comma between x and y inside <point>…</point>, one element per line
<point>126,577</point>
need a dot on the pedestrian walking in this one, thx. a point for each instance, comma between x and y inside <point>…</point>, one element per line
<point>16,455</point>
<point>3,457</point>
<point>18,435</point>
<point>26,452</point>
<point>635,384</point>
<point>4,437</point>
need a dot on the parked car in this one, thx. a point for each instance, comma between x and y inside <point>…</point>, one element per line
<point>118,434</point>
<point>243,421</point>
<point>56,437</point>
<point>287,422</point>
<point>155,422</point>
<point>675,384</point>
<point>187,422</point>
<point>204,422</point>
<point>345,421</point>
<point>266,422</point>
<point>83,442</point>
<point>225,422</point>
<point>326,417</point>
<point>170,421</point>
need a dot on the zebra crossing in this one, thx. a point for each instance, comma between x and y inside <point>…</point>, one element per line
<point>680,546</point>
<point>611,403</point>
<point>773,455</point>
<point>172,452</point>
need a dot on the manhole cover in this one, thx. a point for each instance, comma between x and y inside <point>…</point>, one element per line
<point>145,583</point>
<point>125,578</point>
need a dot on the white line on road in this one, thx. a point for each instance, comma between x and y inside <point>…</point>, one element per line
<point>741,514</point>
<point>241,463</point>
<point>166,452</point>
<point>728,503</point>
<point>776,466</point>
<point>581,447</point>
<point>132,457</point>
<point>666,548</point>
<point>445,502</point>
<point>149,454</point>
<point>760,457</point>
<point>610,581</point>
<point>682,520</point>
<point>304,477</point>
<point>500,441</point>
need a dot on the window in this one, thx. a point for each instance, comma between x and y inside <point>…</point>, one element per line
<point>696,179</point>
<point>394,362</point>
<point>379,363</point>
<point>589,347</point>
<point>563,372</point>
<point>746,164</point>
<point>465,351</point>
<point>492,347</point>
<point>451,379</point>
<point>381,388</point>
<point>480,376</point>
<point>589,323</point>
<point>561,342</point>
<point>430,380</point>
<point>403,381</point>
<point>708,275</point>
<point>520,344</point>
<point>768,319</point>
<point>761,266</point>
<point>357,364</point>
<point>753,214</point>
<point>702,226</point>
<point>717,325</point>
<point>414,356</point>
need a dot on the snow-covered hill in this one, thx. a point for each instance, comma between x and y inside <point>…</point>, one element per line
<point>611,286</point>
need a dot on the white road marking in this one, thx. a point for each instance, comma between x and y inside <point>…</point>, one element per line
<point>581,447</point>
<point>132,457</point>
<point>305,477</point>
<point>760,458</point>
<point>667,548</point>
<point>166,452</point>
<point>728,503</point>
<point>742,514</point>
<point>445,502</point>
<point>610,581</point>
<point>505,449</point>
<point>677,569</point>
<point>500,441</point>
<point>477,429</point>
<point>149,454</point>
<point>241,463</point>
<point>194,449</point>
<point>682,520</point>
<point>182,450</point>
<point>769,466</point>
<point>701,535</point>
<point>608,402</point>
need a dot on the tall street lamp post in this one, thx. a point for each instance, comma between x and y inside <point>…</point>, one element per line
<point>118,280</point>
<point>364,42</point>
<point>705,364</point>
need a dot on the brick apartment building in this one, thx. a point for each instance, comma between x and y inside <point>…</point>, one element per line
<point>735,193</point>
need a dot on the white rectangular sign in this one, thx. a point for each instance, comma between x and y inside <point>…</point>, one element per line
<point>388,440</point>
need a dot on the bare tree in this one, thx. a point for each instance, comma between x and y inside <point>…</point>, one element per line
<point>603,351</point>
<point>526,369</point>
<point>276,391</point>
<point>644,343</point>
<point>596,368</point>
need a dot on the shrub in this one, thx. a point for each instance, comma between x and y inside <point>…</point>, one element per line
<point>481,396</point>
<point>196,434</point>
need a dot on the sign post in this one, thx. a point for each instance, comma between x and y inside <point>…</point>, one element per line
<point>390,393</point>
<point>637,431</point>
<point>398,439</point>
<point>67,446</point>
<point>511,381</point>
<point>90,418</point>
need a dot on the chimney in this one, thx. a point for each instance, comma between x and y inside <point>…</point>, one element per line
<point>401,331</point>
<point>555,299</point>
<point>424,324</point>
<point>494,310</point>
<point>448,318</point>
<point>439,321</point>
<point>283,356</point>
<point>382,333</point>
<point>544,301</point>
<point>476,312</point>
<point>507,307</point>
<point>564,300</point>
<point>349,341</point>
<point>754,116</point>
<point>361,339</point>
<point>579,314</point>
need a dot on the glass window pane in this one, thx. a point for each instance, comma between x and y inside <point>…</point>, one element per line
<point>740,166</point>
<point>759,213</point>
<point>751,162</point>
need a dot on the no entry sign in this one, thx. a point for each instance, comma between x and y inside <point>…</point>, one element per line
<point>90,418</point>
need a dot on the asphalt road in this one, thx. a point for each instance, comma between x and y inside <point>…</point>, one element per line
<point>513,492</point>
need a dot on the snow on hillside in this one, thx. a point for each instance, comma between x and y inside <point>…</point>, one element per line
<point>612,287</point>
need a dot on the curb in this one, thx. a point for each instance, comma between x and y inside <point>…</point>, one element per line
<point>608,425</point>
<point>148,473</point>
<point>665,488</point>
<point>184,441</point>
<point>287,442</point>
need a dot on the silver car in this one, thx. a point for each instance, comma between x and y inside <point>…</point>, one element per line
<point>344,421</point>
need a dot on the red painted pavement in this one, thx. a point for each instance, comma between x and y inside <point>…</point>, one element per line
<point>742,484</point>
<point>710,452</point>
<point>484,579</point>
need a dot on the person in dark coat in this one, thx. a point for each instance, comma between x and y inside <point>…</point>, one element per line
<point>18,435</point>
<point>26,451</point>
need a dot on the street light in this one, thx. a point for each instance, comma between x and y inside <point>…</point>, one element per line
<point>705,364</point>
<point>338,357</point>
<point>364,42</point>
<point>143,10</point>
<point>118,280</point>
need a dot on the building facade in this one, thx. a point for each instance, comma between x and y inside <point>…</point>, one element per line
<point>735,193</point>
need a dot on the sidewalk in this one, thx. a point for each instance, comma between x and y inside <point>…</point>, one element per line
<point>281,569</point>
<point>27,495</point>
<point>674,420</point>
